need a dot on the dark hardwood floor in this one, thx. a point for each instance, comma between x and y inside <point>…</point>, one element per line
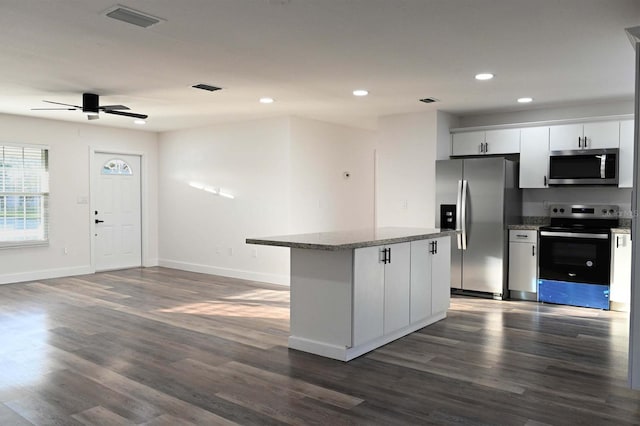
<point>164,347</point>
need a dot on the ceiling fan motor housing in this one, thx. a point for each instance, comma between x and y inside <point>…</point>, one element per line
<point>90,103</point>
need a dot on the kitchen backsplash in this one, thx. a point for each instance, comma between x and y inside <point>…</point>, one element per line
<point>535,202</point>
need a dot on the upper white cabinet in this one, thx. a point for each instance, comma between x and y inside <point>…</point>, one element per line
<point>534,157</point>
<point>504,141</point>
<point>625,159</point>
<point>604,134</point>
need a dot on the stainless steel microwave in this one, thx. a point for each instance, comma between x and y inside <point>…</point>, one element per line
<point>584,167</point>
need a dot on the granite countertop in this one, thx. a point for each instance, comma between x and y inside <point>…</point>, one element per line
<point>621,230</point>
<point>524,227</point>
<point>352,239</point>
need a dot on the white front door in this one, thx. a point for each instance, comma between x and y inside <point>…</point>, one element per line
<point>116,211</point>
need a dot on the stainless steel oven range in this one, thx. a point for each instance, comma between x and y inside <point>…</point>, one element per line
<point>575,255</point>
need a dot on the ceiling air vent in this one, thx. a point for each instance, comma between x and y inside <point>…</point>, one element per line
<point>207,87</point>
<point>429,100</point>
<point>131,16</point>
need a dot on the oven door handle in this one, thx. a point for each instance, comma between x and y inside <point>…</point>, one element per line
<point>574,235</point>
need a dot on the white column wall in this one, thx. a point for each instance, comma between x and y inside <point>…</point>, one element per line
<point>406,153</point>
<point>69,220</point>
<point>322,198</point>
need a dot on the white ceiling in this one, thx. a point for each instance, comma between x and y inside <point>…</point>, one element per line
<point>310,54</point>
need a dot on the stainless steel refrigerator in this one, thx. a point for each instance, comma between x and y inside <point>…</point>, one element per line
<point>479,197</point>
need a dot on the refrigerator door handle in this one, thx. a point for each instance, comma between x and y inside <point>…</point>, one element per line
<point>459,214</point>
<point>464,214</point>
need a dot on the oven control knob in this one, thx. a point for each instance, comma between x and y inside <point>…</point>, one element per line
<point>561,210</point>
<point>555,210</point>
<point>604,211</point>
<point>589,263</point>
<point>611,211</point>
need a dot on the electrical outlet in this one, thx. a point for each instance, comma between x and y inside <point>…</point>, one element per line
<point>405,205</point>
<point>254,252</point>
<point>230,251</point>
<point>65,251</point>
<point>218,250</point>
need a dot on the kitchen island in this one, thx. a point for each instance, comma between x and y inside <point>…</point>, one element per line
<point>354,291</point>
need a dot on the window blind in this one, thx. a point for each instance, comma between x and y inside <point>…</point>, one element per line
<point>24,195</point>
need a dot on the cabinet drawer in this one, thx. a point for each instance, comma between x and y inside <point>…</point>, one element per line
<point>525,236</point>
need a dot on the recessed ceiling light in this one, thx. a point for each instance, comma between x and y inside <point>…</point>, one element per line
<point>525,100</point>
<point>360,92</point>
<point>266,100</point>
<point>484,76</point>
<point>139,122</point>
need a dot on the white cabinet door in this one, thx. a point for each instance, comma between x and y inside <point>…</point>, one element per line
<point>368,294</point>
<point>420,279</point>
<point>523,264</point>
<point>620,295</point>
<point>502,141</point>
<point>534,157</point>
<point>441,275</point>
<point>565,137</point>
<point>625,159</point>
<point>396,287</point>
<point>468,143</point>
<point>604,134</point>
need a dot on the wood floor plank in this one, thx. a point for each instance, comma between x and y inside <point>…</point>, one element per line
<point>158,346</point>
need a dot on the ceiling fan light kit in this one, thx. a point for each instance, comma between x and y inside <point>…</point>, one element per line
<point>91,107</point>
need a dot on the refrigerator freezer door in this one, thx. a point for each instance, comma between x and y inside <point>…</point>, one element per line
<point>483,267</point>
<point>448,174</point>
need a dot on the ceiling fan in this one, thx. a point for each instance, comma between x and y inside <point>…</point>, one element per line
<point>91,106</point>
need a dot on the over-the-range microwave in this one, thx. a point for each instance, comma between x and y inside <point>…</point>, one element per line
<point>584,167</point>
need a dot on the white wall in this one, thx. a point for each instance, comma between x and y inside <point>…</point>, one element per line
<point>70,222</point>
<point>203,232</point>
<point>322,199</point>
<point>444,122</point>
<point>406,153</point>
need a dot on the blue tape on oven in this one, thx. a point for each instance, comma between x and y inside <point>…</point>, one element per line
<point>574,294</point>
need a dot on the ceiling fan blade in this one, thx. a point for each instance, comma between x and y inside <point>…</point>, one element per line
<point>127,114</point>
<point>112,107</point>
<point>60,103</point>
<point>54,109</point>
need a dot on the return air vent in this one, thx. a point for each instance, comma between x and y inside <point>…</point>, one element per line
<point>429,100</point>
<point>207,87</point>
<point>131,16</point>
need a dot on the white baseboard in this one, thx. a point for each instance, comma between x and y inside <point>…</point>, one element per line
<point>149,263</point>
<point>226,272</point>
<point>44,274</point>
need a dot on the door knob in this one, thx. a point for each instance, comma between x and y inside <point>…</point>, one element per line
<point>99,221</point>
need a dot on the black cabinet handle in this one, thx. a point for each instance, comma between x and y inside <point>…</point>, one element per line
<point>579,142</point>
<point>533,251</point>
<point>617,241</point>
<point>99,221</point>
<point>545,181</point>
<point>431,247</point>
<point>435,245</point>
<point>389,253</point>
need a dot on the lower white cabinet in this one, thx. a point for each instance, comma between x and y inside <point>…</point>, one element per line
<point>380,290</point>
<point>430,272</point>
<point>523,264</point>
<point>620,291</point>
<point>399,285</point>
